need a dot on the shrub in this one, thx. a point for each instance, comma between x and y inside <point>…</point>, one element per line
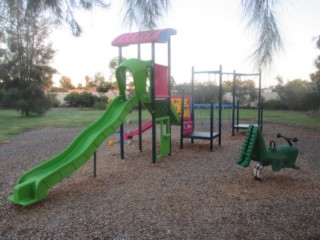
<point>101,103</point>
<point>10,97</point>
<point>54,101</point>
<point>87,99</point>
<point>80,99</point>
<point>32,101</point>
<point>72,99</point>
<point>275,105</point>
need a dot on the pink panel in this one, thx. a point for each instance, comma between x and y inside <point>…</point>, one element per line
<point>161,81</point>
<point>187,127</point>
<point>156,36</point>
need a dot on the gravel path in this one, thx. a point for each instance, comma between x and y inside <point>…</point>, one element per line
<point>193,194</point>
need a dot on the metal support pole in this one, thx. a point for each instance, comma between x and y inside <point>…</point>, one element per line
<point>259,101</point>
<point>233,100</point>
<point>220,103</point>
<point>261,119</point>
<point>121,142</point>
<point>182,120</point>
<point>169,89</point>
<point>153,106</point>
<point>139,50</point>
<point>121,127</point>
<point>140,107</point>
<point>140,126</point>
<point>238,114</point>
<point>211,126</point>
<point>95,164</point>
<point>192,105</point>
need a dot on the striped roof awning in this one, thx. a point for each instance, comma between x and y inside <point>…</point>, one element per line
<point>153,36</point>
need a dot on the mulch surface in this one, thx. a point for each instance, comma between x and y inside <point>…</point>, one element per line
<point>192,194</point>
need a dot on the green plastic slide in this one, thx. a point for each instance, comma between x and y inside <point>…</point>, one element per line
<point>33,186</point>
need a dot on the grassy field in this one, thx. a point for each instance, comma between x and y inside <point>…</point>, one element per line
<point>293,118</point>
<point>12,123</point>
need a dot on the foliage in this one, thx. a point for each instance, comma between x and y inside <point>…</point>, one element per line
<point>205,92</point>
<point>28,99</point>
<point>32,101</point>
<point>25,71</point>
<point>261,17</point>
<point>88,80</point>
<point>246,91</point>
<point>86,99</point>
<point>54,102</point>
<point>80,99</point>
<point>315,77</point>
<point>62,11</point>
<point>145,13</point>
<point>113,65</point>
<point>184,88</point>
<point>101,103</point>
<point>296,95</point>
<point>274,104</point>
<point>227,86</point>
<point>28,55</point>
<point>66,83</point>
<point>104,87</point>
<point>100,84</point>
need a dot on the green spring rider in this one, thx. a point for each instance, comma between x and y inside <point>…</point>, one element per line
<point>254,148</point>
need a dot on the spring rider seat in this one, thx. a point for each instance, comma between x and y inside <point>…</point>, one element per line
<point>254,148</point>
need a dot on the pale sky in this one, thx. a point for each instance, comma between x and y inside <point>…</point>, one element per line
<point>209,33</point>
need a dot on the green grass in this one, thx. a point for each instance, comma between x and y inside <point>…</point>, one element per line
<point>11,122</point>
<point>292,118</point>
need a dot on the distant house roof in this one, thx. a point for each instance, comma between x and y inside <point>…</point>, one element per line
<point>153,36</point>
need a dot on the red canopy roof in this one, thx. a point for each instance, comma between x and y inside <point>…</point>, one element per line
<point>156,36</point>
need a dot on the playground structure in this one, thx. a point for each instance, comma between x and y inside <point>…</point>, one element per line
<point>152,88</point>
<point>236,125</point>
<point>190,123</point>
<point>157,90</point>
<point>33,186</point>
<point>166,110</point>
<point>129,135</point>
<point>254,148</point>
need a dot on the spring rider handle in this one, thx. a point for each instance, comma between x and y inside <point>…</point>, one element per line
<point>289,140</point>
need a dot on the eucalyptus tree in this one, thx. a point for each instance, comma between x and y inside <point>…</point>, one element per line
<point>61,11</point>
<point>315,77</point>
<point>259,14</point>
<point>25,71</point>
<point>261,17</point>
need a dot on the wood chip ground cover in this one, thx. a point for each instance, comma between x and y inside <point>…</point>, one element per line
<point>193,194</point>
